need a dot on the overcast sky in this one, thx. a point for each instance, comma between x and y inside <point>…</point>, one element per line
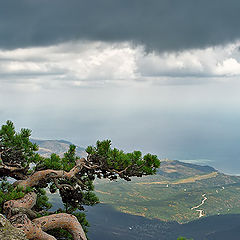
<point>161,76</point>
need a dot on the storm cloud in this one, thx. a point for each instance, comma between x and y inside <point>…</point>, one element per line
<point>160,25</point>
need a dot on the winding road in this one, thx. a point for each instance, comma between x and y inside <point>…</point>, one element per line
<point>200,210</point>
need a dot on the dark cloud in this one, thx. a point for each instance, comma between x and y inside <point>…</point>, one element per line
<point>162,25</point>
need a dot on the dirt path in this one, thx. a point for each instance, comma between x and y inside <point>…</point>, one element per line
<point>200,210</point>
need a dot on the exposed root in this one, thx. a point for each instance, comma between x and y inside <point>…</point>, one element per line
<point>62,220</point>
<point>31,230</point>
<point>37,228</point>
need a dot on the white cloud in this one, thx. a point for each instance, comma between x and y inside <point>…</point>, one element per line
<point>94,64</point>
<point>212,62</point>
<point>228,67</point>
<point>77,64</point>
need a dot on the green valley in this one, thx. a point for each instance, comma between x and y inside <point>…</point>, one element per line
<point>173,192</point>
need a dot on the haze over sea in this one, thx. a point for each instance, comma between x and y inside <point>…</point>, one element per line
<point>184,122</point>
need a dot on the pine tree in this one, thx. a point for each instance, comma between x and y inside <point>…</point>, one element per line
<point>25,202</point>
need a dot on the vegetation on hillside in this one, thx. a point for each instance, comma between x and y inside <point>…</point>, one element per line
<point>171,194</point>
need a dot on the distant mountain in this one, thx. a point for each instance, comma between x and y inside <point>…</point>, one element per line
<point>179,192</point>
<point>171,170</point>
<point>152,207</point>
<point>47,147</point>
<point>176,169</point>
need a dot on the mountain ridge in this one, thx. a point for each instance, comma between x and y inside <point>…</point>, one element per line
<point>173,194</point>
<point>47,147</point>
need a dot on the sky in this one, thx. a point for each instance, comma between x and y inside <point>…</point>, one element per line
<point>161,76</point>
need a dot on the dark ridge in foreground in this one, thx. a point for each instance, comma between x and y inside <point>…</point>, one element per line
<point>109,224</point>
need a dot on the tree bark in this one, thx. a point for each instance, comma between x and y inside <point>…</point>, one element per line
<point>37,228</point>
<point>31,230</point>
<point>28,201</point>
<point>62,220</point>
<point>14,172</point>
<point>43,175</point>
<point>19,211</point>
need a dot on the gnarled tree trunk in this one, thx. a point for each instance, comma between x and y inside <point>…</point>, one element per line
<point>23,218</point>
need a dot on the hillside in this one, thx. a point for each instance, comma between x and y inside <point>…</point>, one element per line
<point>179,192</point>
<point>108,224</point>
<point>47,147</point>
